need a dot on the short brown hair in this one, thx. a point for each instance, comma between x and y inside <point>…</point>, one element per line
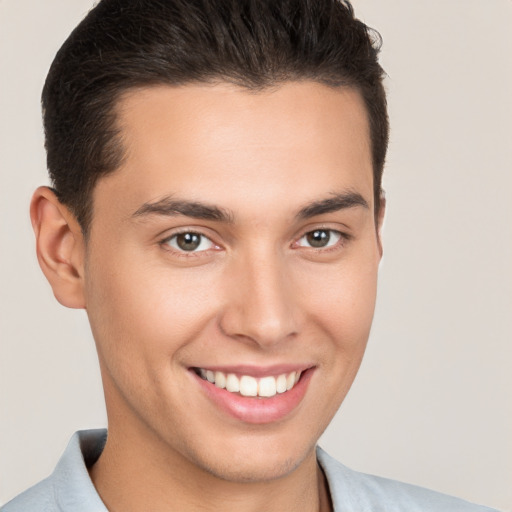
<point>123,44</point>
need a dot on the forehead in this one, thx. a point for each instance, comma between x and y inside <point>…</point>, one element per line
<point>221,142</point>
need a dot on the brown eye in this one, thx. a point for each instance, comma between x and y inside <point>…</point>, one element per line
<point>320,238</point>
<point>190,242</point>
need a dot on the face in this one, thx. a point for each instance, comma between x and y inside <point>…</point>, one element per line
<point>236,247</point>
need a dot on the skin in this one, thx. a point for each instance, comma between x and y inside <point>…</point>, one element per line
<point>256,293</point>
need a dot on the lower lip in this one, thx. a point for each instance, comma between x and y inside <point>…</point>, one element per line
<point>257,410</point>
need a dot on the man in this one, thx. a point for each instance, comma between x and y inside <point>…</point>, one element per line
<point>216,210</point>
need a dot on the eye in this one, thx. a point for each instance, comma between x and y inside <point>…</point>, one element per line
<point>320,238</point>
<point>189,242</point>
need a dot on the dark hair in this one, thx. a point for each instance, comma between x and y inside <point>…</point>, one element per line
<point>124,44</point>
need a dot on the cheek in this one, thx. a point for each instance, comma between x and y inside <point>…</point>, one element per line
<point>357,304</point>
<point>344,312</point>
<point>142,315</point>
<point>342,300</point>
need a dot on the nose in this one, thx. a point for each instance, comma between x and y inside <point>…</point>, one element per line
<point>260,305</point>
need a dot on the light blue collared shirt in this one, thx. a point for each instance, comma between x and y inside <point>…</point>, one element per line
<point>70,489</point>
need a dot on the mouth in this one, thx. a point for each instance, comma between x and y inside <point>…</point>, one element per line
<point>255,395</point>
<point>250,386</point>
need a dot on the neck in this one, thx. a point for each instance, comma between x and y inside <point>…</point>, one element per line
<point>138,473</point>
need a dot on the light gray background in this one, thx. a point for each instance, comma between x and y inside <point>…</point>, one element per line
<point>433,402</point>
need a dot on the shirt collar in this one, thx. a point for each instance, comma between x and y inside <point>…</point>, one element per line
<point>72,485</point>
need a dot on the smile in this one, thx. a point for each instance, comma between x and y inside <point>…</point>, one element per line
<point>250,386</point>
<point>255,395</point>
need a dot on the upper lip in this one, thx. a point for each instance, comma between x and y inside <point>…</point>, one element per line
<point>257,371</point>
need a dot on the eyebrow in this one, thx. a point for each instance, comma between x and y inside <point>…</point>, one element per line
<point>171,207</point>
<point>333,204</point>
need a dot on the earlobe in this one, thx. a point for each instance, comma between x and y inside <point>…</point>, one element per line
<point>59,246</point>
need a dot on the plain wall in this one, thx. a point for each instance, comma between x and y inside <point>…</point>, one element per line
<point>432,404</point>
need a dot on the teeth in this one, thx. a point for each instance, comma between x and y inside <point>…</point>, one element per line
<point>232,383</point>
<point>290,381</point>
<point>267,386</point>
<point>250,386</point>
<point>281,383</point>
<point>220,380</point>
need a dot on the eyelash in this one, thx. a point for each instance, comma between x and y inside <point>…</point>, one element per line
<point>343,238</point>
<point>165,243</point>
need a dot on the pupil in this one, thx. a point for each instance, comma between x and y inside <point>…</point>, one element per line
<point>318,238</point>
<point>188,241</point>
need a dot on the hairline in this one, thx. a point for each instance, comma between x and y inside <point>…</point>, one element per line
<point>123,92</point>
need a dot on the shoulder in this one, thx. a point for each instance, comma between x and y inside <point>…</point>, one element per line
<point>352,491</point>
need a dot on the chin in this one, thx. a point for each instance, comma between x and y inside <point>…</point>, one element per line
<point>254,471</point>
<point>259,460</point>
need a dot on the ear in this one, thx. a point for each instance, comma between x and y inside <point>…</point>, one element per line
<point>380,221</point>
<point>60,247</point>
